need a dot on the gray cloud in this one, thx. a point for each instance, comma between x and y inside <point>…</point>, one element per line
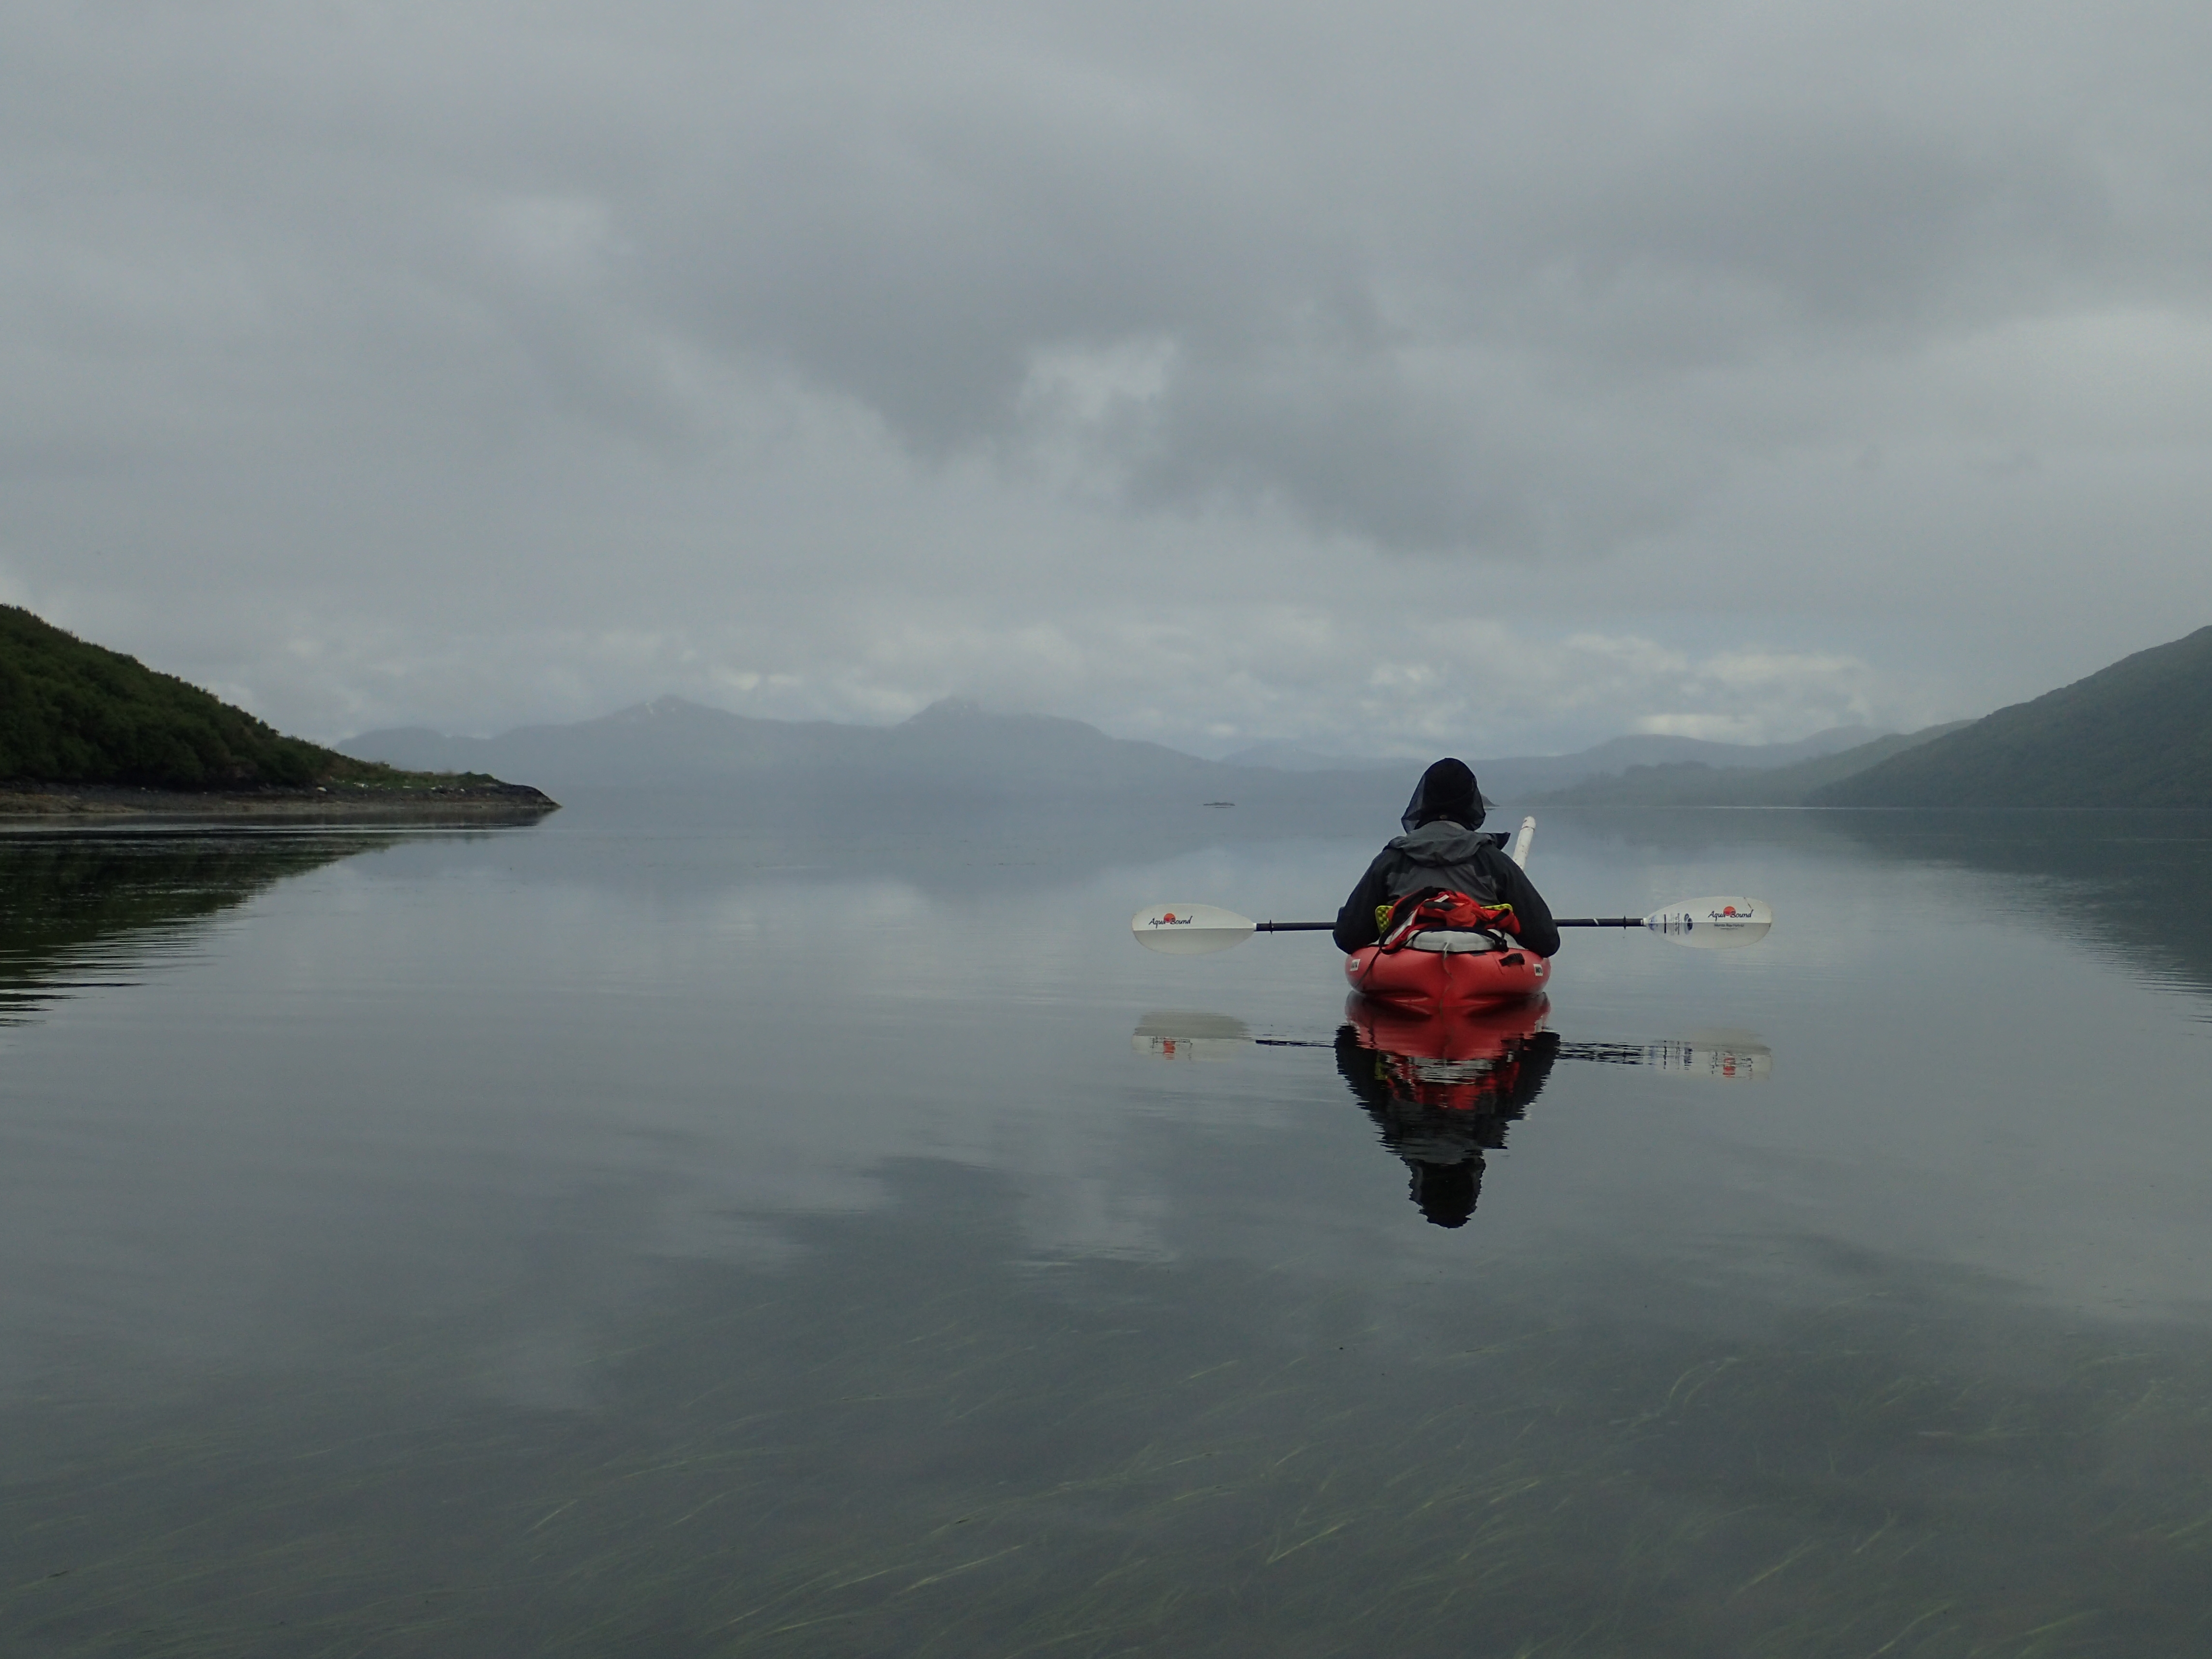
<point>350,347</point>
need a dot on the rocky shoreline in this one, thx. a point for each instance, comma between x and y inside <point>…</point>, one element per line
<point>472,803</point>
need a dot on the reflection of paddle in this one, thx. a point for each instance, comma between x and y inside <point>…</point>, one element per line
<point>1720,1057</point>
<point>1716,1056</point>
<point>1175,1035</point>
<point>1708,924</point>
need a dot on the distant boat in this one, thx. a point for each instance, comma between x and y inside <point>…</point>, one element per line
<point>1218,803</point>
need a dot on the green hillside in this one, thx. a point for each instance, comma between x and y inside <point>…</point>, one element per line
<point>1694,783</point>
<point>2138,733</point>
<point>72,713</point>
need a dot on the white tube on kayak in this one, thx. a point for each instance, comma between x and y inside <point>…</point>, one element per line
<point>1520,854</point>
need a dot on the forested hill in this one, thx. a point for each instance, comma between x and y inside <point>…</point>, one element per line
<point>72,713</point>
<point>2138,733</point>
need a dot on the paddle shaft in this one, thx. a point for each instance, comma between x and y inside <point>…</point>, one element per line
<point>1557,922</point>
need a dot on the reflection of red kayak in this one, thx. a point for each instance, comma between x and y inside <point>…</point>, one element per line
<point>1483,1032</point>
<point>1469,1060</point>
<point>1440,981</point>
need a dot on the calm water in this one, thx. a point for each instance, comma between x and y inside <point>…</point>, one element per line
<point>682,1238</point>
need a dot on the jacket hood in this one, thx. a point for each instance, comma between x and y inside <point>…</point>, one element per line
<point>1447,790</point>
<point>1440,842</point>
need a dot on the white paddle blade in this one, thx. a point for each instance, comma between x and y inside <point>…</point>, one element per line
<point>1189,930</point>
<point>1713,923</point>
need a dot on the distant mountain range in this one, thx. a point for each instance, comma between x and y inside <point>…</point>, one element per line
<point>955,755</point>
<point>1698,783</point>
<point>1542,778</point>
<point>952,755</point>
<point>1522,776</point>
<point>2138,733</point>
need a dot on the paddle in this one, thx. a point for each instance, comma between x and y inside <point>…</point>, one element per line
<point>1705,924</point>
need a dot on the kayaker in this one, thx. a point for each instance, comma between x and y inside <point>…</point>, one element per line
<point>1440,849</point>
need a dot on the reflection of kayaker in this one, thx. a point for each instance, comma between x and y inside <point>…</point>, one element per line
<point>1441,1088</point>
<point>1442,918</point>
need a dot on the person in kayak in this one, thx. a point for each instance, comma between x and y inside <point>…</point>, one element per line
<point>1441,849</point>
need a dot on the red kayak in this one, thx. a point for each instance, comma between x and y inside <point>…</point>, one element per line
<point>1439,972</point>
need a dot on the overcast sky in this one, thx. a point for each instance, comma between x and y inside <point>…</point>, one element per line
<point>1497,376</point>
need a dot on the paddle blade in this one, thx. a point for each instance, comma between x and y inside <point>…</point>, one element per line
<point>1713,923</point>
<point>1189,930</point>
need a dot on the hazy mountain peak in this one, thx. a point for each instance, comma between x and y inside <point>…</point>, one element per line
<point>947,709</point>
<point>668,708</point>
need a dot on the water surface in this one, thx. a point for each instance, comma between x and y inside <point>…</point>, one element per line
<point>663,1232</point>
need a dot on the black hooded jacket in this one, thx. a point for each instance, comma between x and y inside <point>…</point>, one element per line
<point>1441,853</point>
<point>1441,849</point>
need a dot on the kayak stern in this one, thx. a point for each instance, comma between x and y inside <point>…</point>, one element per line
<point>1438,982</point>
